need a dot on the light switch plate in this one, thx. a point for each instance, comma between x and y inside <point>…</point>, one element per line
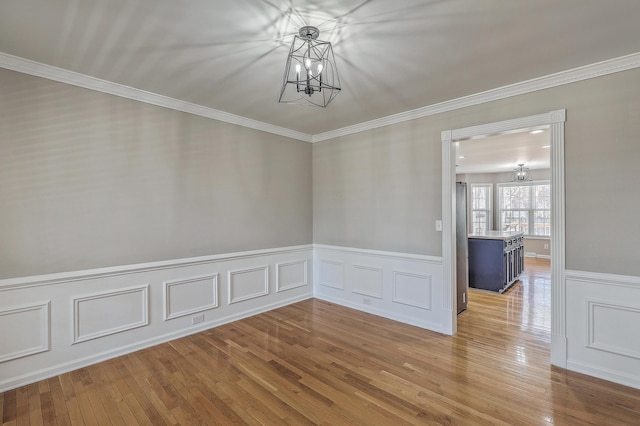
<point>438,225</point>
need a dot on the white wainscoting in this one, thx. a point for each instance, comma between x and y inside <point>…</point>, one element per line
<point>292,275</point>
<point>368,280</point>
<point>84,317</point>
<point>398,286</point>
<point>34,325</point>
<point>189,296</point>
<point>102,314</point>
<point>331,274</point>
<point>602,326</point>
<point>47,327</point>
<point>412,289</point>
<point>249,283</point>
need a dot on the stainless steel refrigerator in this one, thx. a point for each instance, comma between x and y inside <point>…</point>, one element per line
<point>462,251</point>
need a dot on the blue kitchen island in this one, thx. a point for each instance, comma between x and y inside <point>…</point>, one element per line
<point>496,260</point>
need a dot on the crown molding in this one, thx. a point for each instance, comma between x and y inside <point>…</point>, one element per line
<point>553,80</point>
<point>49,72</point>
<point>586,72</point>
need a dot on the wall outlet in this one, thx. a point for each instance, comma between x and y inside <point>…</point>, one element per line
<point>546,246</point>
<point>366,300</point>
<point>197,319</point>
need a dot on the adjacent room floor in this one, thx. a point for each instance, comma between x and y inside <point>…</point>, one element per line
<point>319,363</point>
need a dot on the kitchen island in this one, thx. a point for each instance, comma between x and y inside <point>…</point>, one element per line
<point>496,259</point>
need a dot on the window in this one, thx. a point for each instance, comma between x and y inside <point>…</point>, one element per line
<point>481,212</point>
<point>526,208</point>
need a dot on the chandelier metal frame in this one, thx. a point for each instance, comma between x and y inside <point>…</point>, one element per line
<point>310,76</point>
<point>521,174</point>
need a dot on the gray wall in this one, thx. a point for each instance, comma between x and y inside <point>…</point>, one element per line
<point>92,180</point>
<point>374,190</point>
<point>354,205</point>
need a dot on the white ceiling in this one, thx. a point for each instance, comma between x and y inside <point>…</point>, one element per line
<point>503,153</point>
<point>392,56</point>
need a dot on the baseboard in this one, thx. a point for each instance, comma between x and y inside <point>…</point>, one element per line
<point>384,314</point>
<point>533,255</point>
<point>626,379</point>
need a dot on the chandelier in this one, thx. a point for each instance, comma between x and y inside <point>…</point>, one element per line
<point>310,77</point>
<point>521,174</point>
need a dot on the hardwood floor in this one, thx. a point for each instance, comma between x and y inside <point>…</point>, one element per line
<point>318,363</point>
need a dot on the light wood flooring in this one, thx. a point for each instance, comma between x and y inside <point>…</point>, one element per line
<point>318,363</point>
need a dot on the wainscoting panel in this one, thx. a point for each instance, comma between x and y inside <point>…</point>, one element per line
<point>24,330</point>
<point>399,286</point>
<point>90,316</point>
<point>602,335</point>
<point>292,275</point>
<point>412,289</point>
<point>331,274</point>
<point>189,296</point>
<point>367,281</point>
<point>604,328</point>
<point>102,314</point>
<point>245,284</point>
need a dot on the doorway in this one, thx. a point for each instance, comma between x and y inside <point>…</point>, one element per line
<point>554,121</point>
<point>504,198</point>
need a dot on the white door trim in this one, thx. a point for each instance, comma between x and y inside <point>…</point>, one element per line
<point>554,120</point>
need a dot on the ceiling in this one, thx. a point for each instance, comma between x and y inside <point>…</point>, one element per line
<point>392,56</point>
<point>503,152</point>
